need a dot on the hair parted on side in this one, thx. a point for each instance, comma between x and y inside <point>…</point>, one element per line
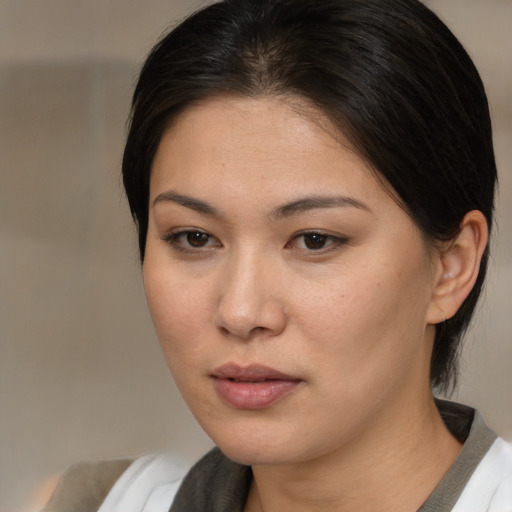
<point>388,73</point>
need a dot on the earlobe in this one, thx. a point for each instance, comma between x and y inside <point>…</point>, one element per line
<point>459,265</point>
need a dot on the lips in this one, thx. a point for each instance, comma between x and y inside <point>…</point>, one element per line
<point>252,387</point>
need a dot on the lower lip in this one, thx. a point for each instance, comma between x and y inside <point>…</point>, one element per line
<point>253,395</point>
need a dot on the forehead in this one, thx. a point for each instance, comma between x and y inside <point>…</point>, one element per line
<point>277,133</point>
<point>288,114</point>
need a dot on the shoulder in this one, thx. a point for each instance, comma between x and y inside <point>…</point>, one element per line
<point>490,486</point>
<point>119,484</point>
<point>84,485</point>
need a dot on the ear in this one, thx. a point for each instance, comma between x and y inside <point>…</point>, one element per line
<point>458,267</point>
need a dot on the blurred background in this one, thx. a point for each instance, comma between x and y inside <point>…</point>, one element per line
<point>81,375</point>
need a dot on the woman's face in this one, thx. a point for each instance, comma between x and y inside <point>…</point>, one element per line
<point>291,295</point>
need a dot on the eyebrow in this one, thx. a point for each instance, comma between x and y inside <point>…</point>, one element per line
<point>316,202</point>
<point>197,205</point>
<point>295,207</point>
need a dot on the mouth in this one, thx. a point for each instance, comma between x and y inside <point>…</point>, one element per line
<point>252,373</point>
<point>252,387</point>
<point>250,380</point>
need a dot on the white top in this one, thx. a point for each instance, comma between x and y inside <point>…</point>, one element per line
<point>490,487</point>
<point>149,484</point>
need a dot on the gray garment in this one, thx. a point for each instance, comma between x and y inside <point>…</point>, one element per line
<point>477,438</point>
<point>216,484</point>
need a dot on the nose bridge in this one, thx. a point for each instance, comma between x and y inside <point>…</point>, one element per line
<point>248,300</point>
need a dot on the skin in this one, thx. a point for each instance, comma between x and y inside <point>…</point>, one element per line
<point>350,313</point>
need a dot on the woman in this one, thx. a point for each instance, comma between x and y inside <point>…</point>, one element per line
<point>313,187</point>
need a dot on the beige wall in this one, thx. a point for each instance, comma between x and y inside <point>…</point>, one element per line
<point>81,375</point>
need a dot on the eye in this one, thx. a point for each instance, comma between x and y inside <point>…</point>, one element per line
<point>197,239</point>
<point>191,240</point>
<point>316,241</point>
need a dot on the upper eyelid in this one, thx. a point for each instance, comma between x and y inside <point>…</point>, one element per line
<point>180,230</point>
<point>327,234</point>
<point>174,232</point>
<point>173,235</point>
<point>332,241</point>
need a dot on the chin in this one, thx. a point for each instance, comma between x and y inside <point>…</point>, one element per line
<point>254,456</point>
<point>251,449</point>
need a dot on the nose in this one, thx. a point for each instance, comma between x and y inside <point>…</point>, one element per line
<point>250,298</point>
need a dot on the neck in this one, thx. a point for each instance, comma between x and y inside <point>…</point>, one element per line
<point>392,467</point>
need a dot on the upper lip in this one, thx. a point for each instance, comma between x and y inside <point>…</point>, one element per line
<point>251,373</point>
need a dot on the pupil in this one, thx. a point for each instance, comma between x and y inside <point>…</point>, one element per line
<point>197,239</point>
<point>315,241</point>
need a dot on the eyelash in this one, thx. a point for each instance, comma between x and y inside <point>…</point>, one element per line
<point>332,241</point>
<point>177,240</point>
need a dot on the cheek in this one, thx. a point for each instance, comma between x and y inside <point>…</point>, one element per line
<point>181,314</point>
<point>179,311</point>
<point>367,322</point>
<point>353,302</point>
